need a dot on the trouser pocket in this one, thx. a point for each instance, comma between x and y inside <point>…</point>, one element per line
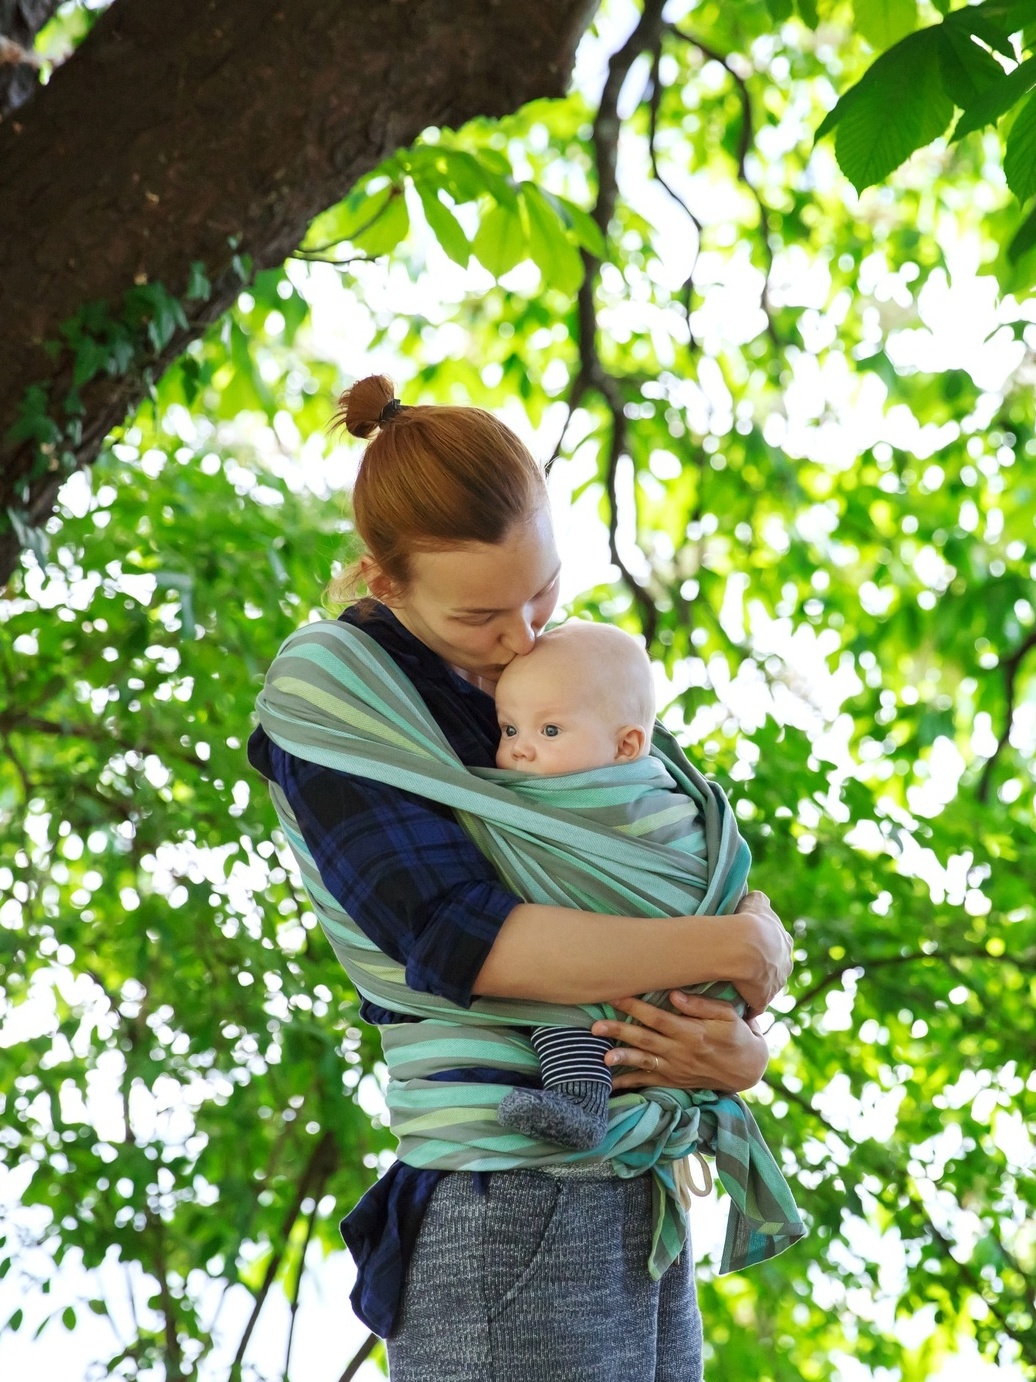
<point>519,1228</point>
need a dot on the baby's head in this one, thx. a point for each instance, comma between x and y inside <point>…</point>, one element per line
<point>583,698</point>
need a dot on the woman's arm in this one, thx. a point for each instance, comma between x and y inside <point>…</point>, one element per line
<point>414,882</point>
<point>559,955</point>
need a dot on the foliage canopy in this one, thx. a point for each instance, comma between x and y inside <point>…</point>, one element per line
<point>801,425</point>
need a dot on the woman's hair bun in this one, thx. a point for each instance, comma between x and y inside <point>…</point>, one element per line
<point>360,406</point>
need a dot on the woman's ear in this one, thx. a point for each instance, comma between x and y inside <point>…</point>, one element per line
<point>379,585</point>
<point>632,742</point>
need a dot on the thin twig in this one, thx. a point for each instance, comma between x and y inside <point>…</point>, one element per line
<point>359,1357</point>
<point>745,140</point>
<point>318,1169</point>
<point>310,1221</point>
<point>1010,668</point>
<point>98,734</point>
<point>360,230</point>
<point>654,101</point>
<point>575,395</point>
<point>306,258</point>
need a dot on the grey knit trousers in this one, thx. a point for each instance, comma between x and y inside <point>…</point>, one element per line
<point>544,1279</point>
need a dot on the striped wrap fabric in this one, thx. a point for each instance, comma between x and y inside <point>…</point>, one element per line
<point>650,838</point>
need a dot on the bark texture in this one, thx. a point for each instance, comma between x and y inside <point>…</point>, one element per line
<point>183,131</point>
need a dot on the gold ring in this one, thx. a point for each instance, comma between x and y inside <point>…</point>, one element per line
<point>655,1058</point>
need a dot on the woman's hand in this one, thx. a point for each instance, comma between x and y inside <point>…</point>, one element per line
<point>766,948</point>
<point>707,1046</point>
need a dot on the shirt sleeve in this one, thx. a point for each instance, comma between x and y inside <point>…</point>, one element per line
<point>405,871</point>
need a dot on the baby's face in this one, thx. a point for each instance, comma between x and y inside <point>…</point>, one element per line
<point>547,726</point>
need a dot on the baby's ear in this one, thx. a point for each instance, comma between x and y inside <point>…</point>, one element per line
<point>631,744</point>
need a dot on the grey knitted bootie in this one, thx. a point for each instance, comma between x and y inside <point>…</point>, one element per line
<point>574,1114</point>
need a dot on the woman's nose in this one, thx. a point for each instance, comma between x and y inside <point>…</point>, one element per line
<point>520,636</point>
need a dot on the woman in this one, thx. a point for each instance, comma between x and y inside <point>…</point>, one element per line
<point>501,1276</point>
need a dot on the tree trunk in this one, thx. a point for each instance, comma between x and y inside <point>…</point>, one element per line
<point>182,133</point>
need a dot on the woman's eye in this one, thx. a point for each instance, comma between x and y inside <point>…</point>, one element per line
<point>551,731</point>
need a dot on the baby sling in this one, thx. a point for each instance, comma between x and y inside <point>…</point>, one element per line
<point>333,697</point>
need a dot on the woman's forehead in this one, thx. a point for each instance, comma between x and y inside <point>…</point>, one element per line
<point>486,578</point>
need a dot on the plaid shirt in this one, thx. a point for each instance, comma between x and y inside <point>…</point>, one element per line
<point>402,866</point>
<point>411,879</point>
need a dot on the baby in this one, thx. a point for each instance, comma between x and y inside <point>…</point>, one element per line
<point>582,699</point>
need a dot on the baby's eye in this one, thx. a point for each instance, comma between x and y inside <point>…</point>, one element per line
<point>508,731</point>
<point>551,731</point>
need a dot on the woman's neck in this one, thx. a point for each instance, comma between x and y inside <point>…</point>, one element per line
<point>483,684</point>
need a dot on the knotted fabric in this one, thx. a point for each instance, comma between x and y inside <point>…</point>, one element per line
<point>649,838</point>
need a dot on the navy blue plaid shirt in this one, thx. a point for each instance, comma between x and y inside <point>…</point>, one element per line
<point>402,866</point>
<point>411,879</point>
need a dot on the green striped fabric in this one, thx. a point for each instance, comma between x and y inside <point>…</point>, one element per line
<point>651,838</point>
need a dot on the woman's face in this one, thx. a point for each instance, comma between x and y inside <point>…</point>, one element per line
<point>482,604</point>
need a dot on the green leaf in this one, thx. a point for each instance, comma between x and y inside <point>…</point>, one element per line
<point>385,233</point>
<point>967,69</point>
<point>1020,154</point>
<point>583,226</point>
<point>552,252</point>
<point>500,242</point>
<point>1000,18</point>
<point>444,225</point>
<point>998,99</point>
<point>1024,238</point>
<point>68,1317</point>
<point>199,289</point>
<point>358,213</point>
<point>885,22</point>
<point>898,106</point>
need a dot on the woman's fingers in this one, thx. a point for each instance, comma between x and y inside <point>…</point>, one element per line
<point>645,1067</point>
<point>647,1014</point>
<point>636,1079</point>
<point>659,1020</point>
<point>768,945</point>
<point>697,1005</point>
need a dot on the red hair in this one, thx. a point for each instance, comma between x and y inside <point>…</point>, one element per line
<point>432,477</point>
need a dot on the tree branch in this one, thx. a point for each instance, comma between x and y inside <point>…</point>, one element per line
<point>35,724</point>
<point>124,187</point>
<point>1024,962</point>
<point>173,1357</point>
<point>592,375</point>
<point>318,1191</point>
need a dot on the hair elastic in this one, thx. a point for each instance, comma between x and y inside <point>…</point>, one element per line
<point>391,408</point>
